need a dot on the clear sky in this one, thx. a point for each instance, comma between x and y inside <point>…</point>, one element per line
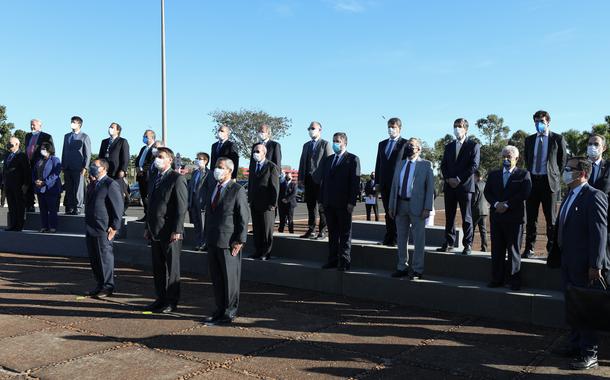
<point>345,63</point>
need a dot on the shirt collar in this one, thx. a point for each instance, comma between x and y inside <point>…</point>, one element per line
<point>545,133</point>
<point>261,162</point>
<point>461,141</point>
<point>577,189</point>
<point>98,180</point>
<point>316,139</point>
<point>166,170</point>
<point>509,170</point>
<point>597,162</point>
<point>340,154</point>
<point>395,139</point>
<point>225,183</point>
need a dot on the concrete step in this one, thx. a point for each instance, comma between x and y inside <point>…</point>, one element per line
<point>70,224</point>
<point>375,231</point>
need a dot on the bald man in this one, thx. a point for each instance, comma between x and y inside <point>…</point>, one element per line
<point>17,179</point>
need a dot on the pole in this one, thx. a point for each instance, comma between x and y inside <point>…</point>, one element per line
<point>163,100</point>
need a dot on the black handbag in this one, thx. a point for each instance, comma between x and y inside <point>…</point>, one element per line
<point>589,307</point>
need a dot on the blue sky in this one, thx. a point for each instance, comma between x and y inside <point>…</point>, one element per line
<point>342,62</point>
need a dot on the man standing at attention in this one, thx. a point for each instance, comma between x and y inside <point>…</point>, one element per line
<point>75,158</point>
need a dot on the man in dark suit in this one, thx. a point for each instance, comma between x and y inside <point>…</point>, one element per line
<point>506,191</point>
<point>196,201</point>
<point>600,168</point>
<point>480,209</point>
<point>339,176</point>
<point>168,203</point>
<point>17,179</point>
<point>33,142</point>
<point>579,248</point>
<point>227,230</point>
<point>75,158</point>
<point>460,160</point>
<point>545,157</point>
<point>103,212</point>
<point>370,200</point>
<point>143,163</point>
<point>115,150</point>
<point>263,191</point>
<point>287,203</point>
<point>274,149</point>
<point>389,152</point>
<point>314,151</point>
<point>225,148</point>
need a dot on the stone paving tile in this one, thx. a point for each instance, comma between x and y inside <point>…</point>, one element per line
<point>46,347</point>
<point>403,371</point>
<point>296,360</point>
<point>11,325</point>
<point>124,363</point>
<point>217,344</point>
<point>553,367</point>
<point>225,374</point>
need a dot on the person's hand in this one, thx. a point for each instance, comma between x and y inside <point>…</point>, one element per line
<point>38,183</point>
<point>594,274</point>
<point>350,208</point>
<point>271,208</point>
<point>174,237</point>
<point>235,248</point>
<point>453,182</point>
<point>121,174</point>
<point>501,208</point>
<point>425,214</point>
<point>111,233</point>
<point>83,172</point>
<point>284,200</point>
<point>390,214</point>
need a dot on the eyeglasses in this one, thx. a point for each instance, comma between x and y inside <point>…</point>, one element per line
<point>311,128</point>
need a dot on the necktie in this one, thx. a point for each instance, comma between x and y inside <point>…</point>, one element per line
<point>158,180</point>
<point>389,148</point>
<point>335,161</point>
<point>218,147</point>
<point>71,138</point>
<point>506,177</point>
<point>32,146</point>
<point>458,147</point>
<point>594,173</point>
<point>404,190</point>
<point>10,158</point>
<point>143,157</point>
<point>216,196</point>
<point>196,180</point>
<point>562,217</point>
<point>538,166</point>
<point>110,140</point>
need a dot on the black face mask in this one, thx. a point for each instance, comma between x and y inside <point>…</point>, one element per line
<point>409,151</point>
<point>10,146</point>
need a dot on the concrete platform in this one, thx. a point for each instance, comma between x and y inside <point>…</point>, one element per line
<point>71,224</point>
<point>375,231</point>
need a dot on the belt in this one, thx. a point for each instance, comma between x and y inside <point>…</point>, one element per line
<point>404,199</point>
<point>539,176</point>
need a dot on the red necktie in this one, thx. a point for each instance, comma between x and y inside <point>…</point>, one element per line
<point>216,197</point>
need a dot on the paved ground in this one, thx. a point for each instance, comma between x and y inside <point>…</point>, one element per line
<point>48,331</point>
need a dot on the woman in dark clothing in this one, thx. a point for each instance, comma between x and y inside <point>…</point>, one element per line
<point>47,185</point>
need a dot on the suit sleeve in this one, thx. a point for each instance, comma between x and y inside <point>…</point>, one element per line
<point>181,204</point>
<point>102,149</point>
<point>275,185</point>
<point>124,158</point>
<point>302,166</point>
<point>444,163</point>
<point>241,217</point>
<point>86,152</point>
<point>277,155</point>
<point>429,198</point>
<point>318,174</point>
<point>562,156</point>
<point>526,153</point>
<point>598,230</point>
<point>54,175</point>
<point>115,205</point>
<point>27,172</point>
<point>378,164</point>
<point>63,153</point>
<point>234,156</point>
<point>51,141</point>
<point>355,184</point>
<point>488,191</point>
<point>328,150</point>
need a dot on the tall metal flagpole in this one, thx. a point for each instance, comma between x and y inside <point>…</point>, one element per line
<point>163,102</point>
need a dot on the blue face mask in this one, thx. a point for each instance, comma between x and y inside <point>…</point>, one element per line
<point>94,171</point>
<point>145,140</point>
<point>337,148</point>
<point>506,163</point>
<point>540,127</point>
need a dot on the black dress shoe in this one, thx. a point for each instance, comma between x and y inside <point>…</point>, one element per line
<point>495,284</point>
<point>265,258</point>
<point>104,293</point>
<point>255,256</point>
<point>584,362</point>
<point>94,292</point>
<point>155,306</point>
<point>204,248</point>
<point>528,254</point>
<point>142,219</point>
<point>320,236</point>
<point>467,250</point>
<point>400,273</point>
<point>329,265</point>
<point>219,321</point>
<point>280,230</point>
<point>169,309</point>
<point>416,276</point>
<point>306,235</point>
<point>443,248</point>
<point>343,267</point>
<point>390,243</point>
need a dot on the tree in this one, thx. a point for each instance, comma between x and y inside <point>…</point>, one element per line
<point>576,142</point>
<point>493,129</point>
<point>244,126</point>
<point>5,129</point>
<point>517,139</point>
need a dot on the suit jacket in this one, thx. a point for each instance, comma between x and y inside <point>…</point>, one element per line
<point>264,187</point>
<point>148,160</point>
<point>274,154</point>
<point>288,191</point>
<point>198,190</point>
<point>42,138</point>
<point>104,207</point>
<point>556,157</point>
<point>167,205</point>
<point>229,150</point>
<point>584,237</point>
<point>422,193</point>
<point>76,154</point>
<point>340,185</point>
<point>228,222</point>
<point>323,149</point>
<point>515,193</point>
<point>384,166</point>
<point>50,176</point>
<point>118,156</point>
<point>480,207</point>
<point>462,167</point>
<point>369,187</point>
<point>602,182</point>
<point>16,173</point>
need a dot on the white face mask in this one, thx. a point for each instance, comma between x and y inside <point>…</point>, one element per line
<point>44,153</point>
<point>159,163</point>
<point>257,157</point>
<point>111,132</point>
<point>222,136</point>
<point>593,152</point>
<point>314,133</point>
<point>155,151</point>
<point>262,136</point>
<point>201,163</point>
<point>74,126</point>
<point>459,133</point>
<point>566,177</point>
<point>219,174</point>
<point>393,132</point>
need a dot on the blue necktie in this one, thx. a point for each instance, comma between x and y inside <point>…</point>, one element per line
<point>196,180</point>
<point>390,147</point>
<point>562,217</point>
<point>405,182</point>
<point>158,180</point>
<point>506,177</point>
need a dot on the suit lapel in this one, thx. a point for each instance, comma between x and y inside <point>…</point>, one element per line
<point>461,152</point>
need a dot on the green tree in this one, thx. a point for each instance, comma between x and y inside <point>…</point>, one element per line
<point>6,129</point>
<point>245,123</point>
<point>517,139</point>
<point>493,129</point>
<point>576,142</point>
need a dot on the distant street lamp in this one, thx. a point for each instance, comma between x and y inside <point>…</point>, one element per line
<point>163,102</point>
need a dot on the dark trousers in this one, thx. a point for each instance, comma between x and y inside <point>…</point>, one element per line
<point>262,229</point>
<point>29,196</point>
<point>312,191</point>
<point>2,195</point>
<point>101,258</point>
<point>540,194</point>
<point>479,221</point>
<point>390,223</point>
<point>74,199</point>
<point>166,270</point>
<point>16,208</point>
<point>506,238</point>
<point>286,212</point>
<point>143,188</point>
<point>48,210</point>
<point>375,210</point>
<point>339,234</point>
<point>453,198</point>
<point>225,271</point>
<point>196,216</point>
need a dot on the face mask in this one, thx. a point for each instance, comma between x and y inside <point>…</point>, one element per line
<point>257,157</point>
<point>288,179</point>
<point>219,174</point>
<point>155,151</point>
<point>458,133</point>
<point>540,127</point>
<point>94,171</point>
<point>593,151</point>
<point>159,163</point>
<point>262,136</point>
<point>201,163</point>
<point>10,146</point>
<point>313,133</point>
<point>393,132</point>
<point>44,153</point>
<point>145,140</point>
<point>111,132</point>
<point>567,177</point>
<point>506,163</point>
<point>35,132</point>
<point>409,152</point>
<point>222,136</point>
<point>337,147</point>
<point>74,126</point>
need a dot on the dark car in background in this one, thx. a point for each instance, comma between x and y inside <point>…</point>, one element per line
<point>134,195</point>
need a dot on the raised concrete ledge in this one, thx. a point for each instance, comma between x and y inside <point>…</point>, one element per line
<point>375,231</point>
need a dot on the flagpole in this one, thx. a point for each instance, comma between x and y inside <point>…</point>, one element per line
<point>163,99</point>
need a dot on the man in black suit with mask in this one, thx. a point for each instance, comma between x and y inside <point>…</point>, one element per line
<point>17,179</point>
<point>263,191</point>
<point>225,148</point>
<point>115,150</point>
<point>143,163</point>
<point>167,206</point>
<point>33,142</point>
<point>389,152</point>
<point>287,203</point>
<point>274,149</point>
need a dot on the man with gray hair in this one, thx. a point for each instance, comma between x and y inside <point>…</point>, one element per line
<point>506,191</point>
<point>17,178</point>
<point>33,142</point>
